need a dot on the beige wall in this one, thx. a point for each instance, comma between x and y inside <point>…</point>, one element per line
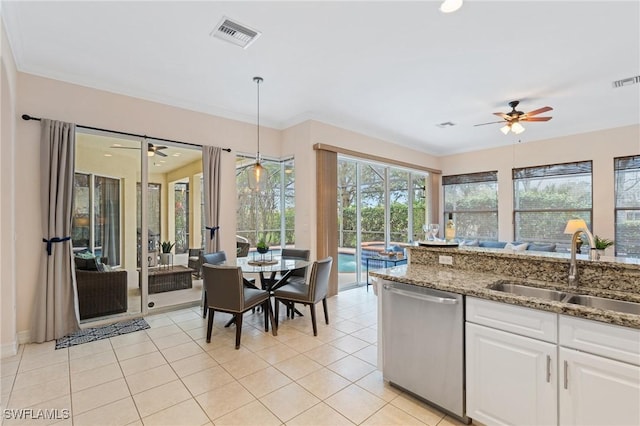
<point>601,147</point>
<point>8,338</point>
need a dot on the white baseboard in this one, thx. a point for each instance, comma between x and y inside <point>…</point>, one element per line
<point>9,349</point>
<point>24,337</point>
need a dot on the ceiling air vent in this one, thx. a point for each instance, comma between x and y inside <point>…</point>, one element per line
<point>627,81</point>
<point>235,33</point>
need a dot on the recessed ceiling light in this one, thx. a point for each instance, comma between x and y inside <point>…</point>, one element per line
<point>449,6</point>
<point>108,155</point>
<point>177,154</point>
<point>116,144</point>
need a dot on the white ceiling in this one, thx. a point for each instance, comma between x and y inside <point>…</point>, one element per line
<point>391,69</point>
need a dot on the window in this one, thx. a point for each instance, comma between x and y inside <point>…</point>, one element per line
<point>96,216</point>
<point>473,201</point>
<point>627,186</point>
<point>270,213</point>
<point>181,214</point>
<point>546,197</point>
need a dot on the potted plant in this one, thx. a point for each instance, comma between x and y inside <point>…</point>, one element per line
<point>262,246</point>
<point>601,244</point>
<point>166,256</point>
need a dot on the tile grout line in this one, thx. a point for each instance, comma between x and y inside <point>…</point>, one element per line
<point>125,378</point>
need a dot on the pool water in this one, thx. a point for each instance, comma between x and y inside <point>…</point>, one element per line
<point>346,262</point>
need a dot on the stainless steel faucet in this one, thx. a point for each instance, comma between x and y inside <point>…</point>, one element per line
<point>573,265</point>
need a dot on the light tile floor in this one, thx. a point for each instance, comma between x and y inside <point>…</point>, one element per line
<point>169,375</point>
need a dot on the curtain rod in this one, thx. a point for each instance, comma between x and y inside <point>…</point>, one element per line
<point>27,117</point>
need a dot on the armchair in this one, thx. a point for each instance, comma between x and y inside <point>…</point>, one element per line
<point>101,293</point>
<point>195,261</point>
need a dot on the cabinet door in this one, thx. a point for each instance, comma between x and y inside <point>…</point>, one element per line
<point>511,380</point>
<point>598,391</point>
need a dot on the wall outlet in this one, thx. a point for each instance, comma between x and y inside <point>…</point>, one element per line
<point>445,260</point>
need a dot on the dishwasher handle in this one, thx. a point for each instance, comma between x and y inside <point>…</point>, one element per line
<point>420,296</point>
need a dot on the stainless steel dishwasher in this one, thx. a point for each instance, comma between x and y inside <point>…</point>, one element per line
<point>423,344</point>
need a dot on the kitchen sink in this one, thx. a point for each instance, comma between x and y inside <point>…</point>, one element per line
<point>528,291</point>
<point>604,303</point>
<point>522,289</point>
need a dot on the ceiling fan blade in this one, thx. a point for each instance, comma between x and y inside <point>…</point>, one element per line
<point>538,111</point>
<point>160,153</point>
<point>535,119</point>
<point>160,147</point>
<point>491,122</point>
<point>503,115</point>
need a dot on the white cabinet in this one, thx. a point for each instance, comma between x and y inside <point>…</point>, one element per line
<point>595,390</point>
<point>538,368</point>
<point>511,364</point>
<point>601,387</point>
<point>511,380</point>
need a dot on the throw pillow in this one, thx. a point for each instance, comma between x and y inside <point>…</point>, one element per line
<point>491,244</point>
<point>541,247</point>
<point>516,247</point>
<point>85,255</point>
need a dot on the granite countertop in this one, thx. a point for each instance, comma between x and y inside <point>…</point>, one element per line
<point>475,284</point>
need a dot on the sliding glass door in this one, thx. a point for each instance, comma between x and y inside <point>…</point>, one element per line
<point>380,207</point>
<point>118,228</point>
<point>104,233</point>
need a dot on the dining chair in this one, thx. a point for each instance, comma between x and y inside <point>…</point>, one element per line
<point>309,294</point>
<point>298,275</point>
<point>215,258</point>
<point>227,293</point>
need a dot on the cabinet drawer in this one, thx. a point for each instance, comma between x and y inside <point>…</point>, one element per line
<point>527,322</point>
<point>611,341</point>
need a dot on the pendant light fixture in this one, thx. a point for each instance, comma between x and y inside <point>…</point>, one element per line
<point>257,173</point>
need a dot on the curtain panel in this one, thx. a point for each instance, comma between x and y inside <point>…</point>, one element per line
<point>55,305</point>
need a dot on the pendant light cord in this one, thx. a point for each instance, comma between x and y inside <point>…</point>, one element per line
<point>258,80</point>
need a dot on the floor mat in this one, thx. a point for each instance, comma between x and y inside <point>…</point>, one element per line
<point>104,332</point>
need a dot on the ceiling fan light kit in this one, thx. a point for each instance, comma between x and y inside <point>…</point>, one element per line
<point>517,128</point>
<point>151,149</point>
<point>514,118</point>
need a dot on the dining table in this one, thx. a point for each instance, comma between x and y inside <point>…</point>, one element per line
<point>271,265</point>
